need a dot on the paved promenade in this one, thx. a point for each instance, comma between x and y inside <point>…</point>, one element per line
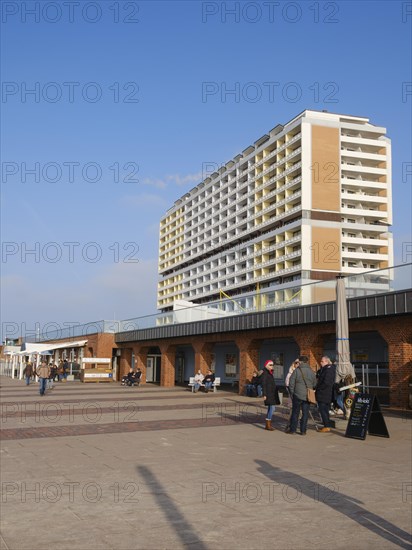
<point>98,466</point>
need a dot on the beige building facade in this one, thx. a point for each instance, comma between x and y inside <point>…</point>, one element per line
<point>307,201</point>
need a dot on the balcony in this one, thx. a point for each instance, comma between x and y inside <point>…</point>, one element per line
<point>364,213</point>
<point>364,241</point>
<point>361,255</point>
<point>363,202</point>
<point>362,168</point>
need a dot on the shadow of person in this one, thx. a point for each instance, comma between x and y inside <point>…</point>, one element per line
<point>175,517</point>
<point>330,496</point>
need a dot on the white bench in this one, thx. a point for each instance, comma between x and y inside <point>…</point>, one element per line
<point>215,384</point>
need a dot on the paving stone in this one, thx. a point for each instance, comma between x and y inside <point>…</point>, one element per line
<point>196,472</point>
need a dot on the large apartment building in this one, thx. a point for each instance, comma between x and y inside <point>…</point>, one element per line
<point>307,201</point>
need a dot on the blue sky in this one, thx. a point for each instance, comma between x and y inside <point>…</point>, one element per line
<point>131,99</point>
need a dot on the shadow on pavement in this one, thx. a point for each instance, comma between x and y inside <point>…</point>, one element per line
<point>175,518</point>
<point>339,502</point>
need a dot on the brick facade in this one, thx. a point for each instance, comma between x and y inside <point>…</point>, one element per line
<point>98,344</point>
<point>396,331</point>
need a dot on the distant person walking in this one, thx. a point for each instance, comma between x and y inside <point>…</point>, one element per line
<point>66,368</point>
<point>53,370</point>
<point>43,372</point>
<point>28,372</point>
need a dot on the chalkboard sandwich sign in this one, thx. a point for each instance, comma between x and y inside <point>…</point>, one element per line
<point>366,418</point>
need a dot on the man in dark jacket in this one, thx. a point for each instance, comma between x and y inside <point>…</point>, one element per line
<point>324,390</point>
<point>208,380</point>
<point>28,372</point>
<point>66,368</point>
<point>301,379</point>
<point>270,393</point>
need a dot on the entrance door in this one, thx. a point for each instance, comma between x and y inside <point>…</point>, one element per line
<point>150,369</point>
<point>180,369</point>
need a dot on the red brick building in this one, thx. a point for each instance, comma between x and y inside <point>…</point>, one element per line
<point>380,324</point>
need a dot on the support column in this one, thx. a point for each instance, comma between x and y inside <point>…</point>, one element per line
<point>37,366</point>
<point>125,362</point>
<point>398,336</point>
<point>203,356</point>
<point>140,360</point>
<point>21,369</point>
<point>167,368</point>
<point>249,360</point>
<point>310,343</point>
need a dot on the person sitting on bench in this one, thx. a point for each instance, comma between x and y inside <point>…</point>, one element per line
<point>128,378</point>
<point>198,381</point>
<point>208,380</point>
<point>137,377</point>
<point>254,388</point>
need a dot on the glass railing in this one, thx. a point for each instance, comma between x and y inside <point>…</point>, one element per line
<point>278,296</point>
<point>281,296</point>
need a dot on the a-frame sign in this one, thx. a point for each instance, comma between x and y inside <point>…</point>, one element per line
<point>366,417</point>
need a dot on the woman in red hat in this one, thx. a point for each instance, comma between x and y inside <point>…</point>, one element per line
<point>270,393</point>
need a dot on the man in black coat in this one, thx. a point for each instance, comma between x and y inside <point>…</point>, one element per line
<point>324,390</point>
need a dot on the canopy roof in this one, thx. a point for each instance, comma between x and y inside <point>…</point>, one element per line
<point>29,348</point>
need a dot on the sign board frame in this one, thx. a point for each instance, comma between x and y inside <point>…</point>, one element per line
<point>366,418</point>
<point>102,360</point>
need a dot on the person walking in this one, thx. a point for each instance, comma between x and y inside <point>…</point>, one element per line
<point>66,369</point>
<point>55,372</point>
<point>43,372</point>
<point>324,391</point>
<point>301,379</point>
<point>60,370</point>
<point>270,393</point>
<point>51,377</point>
<point>28,372</point>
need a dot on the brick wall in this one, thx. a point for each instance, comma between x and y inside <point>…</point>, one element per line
<point>396,331</point>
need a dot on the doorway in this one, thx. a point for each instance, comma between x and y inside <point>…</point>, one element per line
<point>153,368</point>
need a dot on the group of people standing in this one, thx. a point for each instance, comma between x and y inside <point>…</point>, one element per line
<point>302,377</point>
<point>299,379</point>
<point>46,373</point>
